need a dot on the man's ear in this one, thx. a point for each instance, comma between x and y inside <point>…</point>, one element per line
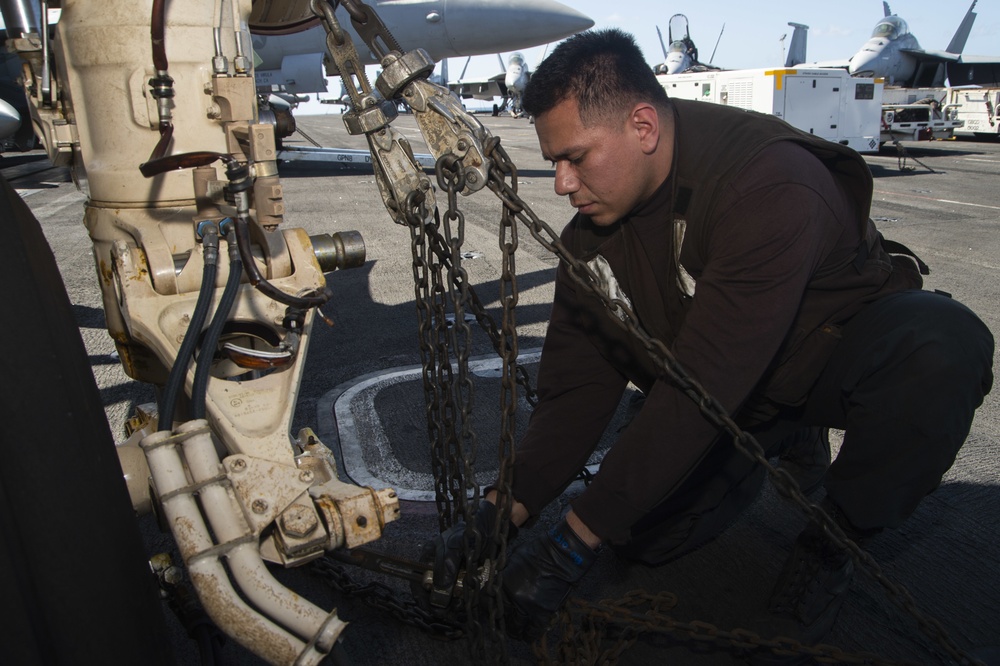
<point>646,123</point>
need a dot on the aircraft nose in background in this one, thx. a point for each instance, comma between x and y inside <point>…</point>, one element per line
<point>507,25</point>
<point>867,62</point>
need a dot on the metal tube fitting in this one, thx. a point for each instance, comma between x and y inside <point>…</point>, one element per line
<point>216,593</point>
<point>268,630</point>
<point>345,249</point>
<point>252,577</point>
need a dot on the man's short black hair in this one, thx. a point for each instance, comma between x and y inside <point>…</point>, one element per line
<point>604,70</point>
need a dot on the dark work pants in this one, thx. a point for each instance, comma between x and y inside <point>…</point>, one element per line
<point>903,383</point>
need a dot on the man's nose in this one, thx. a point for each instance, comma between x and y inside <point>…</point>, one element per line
<point>566,180</point>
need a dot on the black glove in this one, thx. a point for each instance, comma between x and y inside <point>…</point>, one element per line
<point>446,552</point>
<point>538,578</point>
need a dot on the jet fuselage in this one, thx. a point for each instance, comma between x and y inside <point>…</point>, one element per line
<point>443,28</point>
<point>884,54</point>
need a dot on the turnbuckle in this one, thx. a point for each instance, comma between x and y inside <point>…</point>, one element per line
<point>413,571</point>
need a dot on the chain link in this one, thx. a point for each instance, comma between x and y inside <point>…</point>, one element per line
<point>512,373</point>
<point>385,598</point>
<point>621,622</point>
<point>487,322</point>
<point>450,400</point>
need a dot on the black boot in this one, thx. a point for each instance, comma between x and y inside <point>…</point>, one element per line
<point>808,595</point>
<point>806,456</point>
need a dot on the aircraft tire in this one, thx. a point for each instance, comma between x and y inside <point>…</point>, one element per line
<point>74,576</point>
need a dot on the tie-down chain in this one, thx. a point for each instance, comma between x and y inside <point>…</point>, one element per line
<point>468,159</point>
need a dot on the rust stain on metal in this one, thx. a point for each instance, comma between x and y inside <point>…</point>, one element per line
<point>236,621</point>
<point>299,521</point>
<point>141,270</point>
<point>105,272</point>
<point>185,533</point>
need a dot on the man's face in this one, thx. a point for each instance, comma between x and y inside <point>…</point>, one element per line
<point>595,165</point>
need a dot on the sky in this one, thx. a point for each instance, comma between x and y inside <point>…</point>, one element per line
<point>753,30</point>
<point>752,33</point>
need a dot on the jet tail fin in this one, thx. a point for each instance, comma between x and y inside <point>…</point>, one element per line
<point>957,43</point>
<point>797,49</point>
<point>885,8</point>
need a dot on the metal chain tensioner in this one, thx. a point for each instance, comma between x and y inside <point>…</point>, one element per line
<point>456,139</point>
<point>475,154</point>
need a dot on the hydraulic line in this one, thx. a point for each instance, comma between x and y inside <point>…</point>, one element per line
<point>265,287</point>
<point>161,85</point>
<point>168,463</point>
<point>211,339</point>
<point>156,32</point>
<point>166,133</point>
<point>175,381</point>
<point>219,63</point>
<point>241,64</point>
<point>198,158</point>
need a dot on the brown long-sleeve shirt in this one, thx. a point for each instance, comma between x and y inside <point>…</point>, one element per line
<point>780,228</point>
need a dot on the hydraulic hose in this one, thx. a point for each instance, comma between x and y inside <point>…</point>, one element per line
<point>211,339</point>
<point>161,85</point>
<point>175,381</point>
<point>157,30</point>
<point>265,287</point>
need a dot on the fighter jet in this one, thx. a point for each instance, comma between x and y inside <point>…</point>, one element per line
<point>894,54</point>
<point>443,28</point>
<point>508,84</point>
<point>682,56</point>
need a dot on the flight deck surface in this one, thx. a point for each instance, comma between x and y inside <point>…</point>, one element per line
<point>362,393</point>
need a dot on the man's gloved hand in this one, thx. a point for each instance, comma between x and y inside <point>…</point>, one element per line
<point>446,552</point>
<point>538,578</point>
